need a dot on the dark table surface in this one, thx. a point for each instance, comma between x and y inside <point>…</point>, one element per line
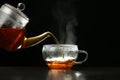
<point>43,73</point>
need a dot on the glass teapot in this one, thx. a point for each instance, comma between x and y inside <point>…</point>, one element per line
<point>12,29</point>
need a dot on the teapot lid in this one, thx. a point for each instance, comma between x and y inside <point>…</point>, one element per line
<point>16,13</point>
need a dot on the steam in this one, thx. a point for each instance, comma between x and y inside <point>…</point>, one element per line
<point>70,31</point>
<point>66,18</point>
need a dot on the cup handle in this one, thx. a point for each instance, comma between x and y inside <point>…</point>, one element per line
<point>82,51</point>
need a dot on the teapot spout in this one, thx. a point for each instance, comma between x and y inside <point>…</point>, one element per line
<point>28,42</point>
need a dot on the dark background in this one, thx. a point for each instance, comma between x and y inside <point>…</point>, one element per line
<point>99,40</point>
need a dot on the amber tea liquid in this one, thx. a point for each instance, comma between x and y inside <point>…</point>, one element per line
<point>60,63</point>
<point>11,38</point>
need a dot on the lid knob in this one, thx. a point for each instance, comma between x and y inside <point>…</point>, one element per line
<point>21,6</point>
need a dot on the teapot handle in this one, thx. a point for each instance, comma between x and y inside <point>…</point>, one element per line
<point>28,42</point>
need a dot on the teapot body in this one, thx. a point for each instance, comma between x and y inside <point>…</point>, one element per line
<point>12,29</point>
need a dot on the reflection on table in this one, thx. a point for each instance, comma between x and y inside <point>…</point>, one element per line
<point>65,75</point>
<point>43,73</point>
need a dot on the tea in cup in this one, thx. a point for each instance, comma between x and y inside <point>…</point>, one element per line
<point>62,56</point>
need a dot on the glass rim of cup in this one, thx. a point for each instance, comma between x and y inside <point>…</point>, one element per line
<point>64,45</point>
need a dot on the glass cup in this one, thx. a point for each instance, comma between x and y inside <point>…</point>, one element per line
<point>62,56</point>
